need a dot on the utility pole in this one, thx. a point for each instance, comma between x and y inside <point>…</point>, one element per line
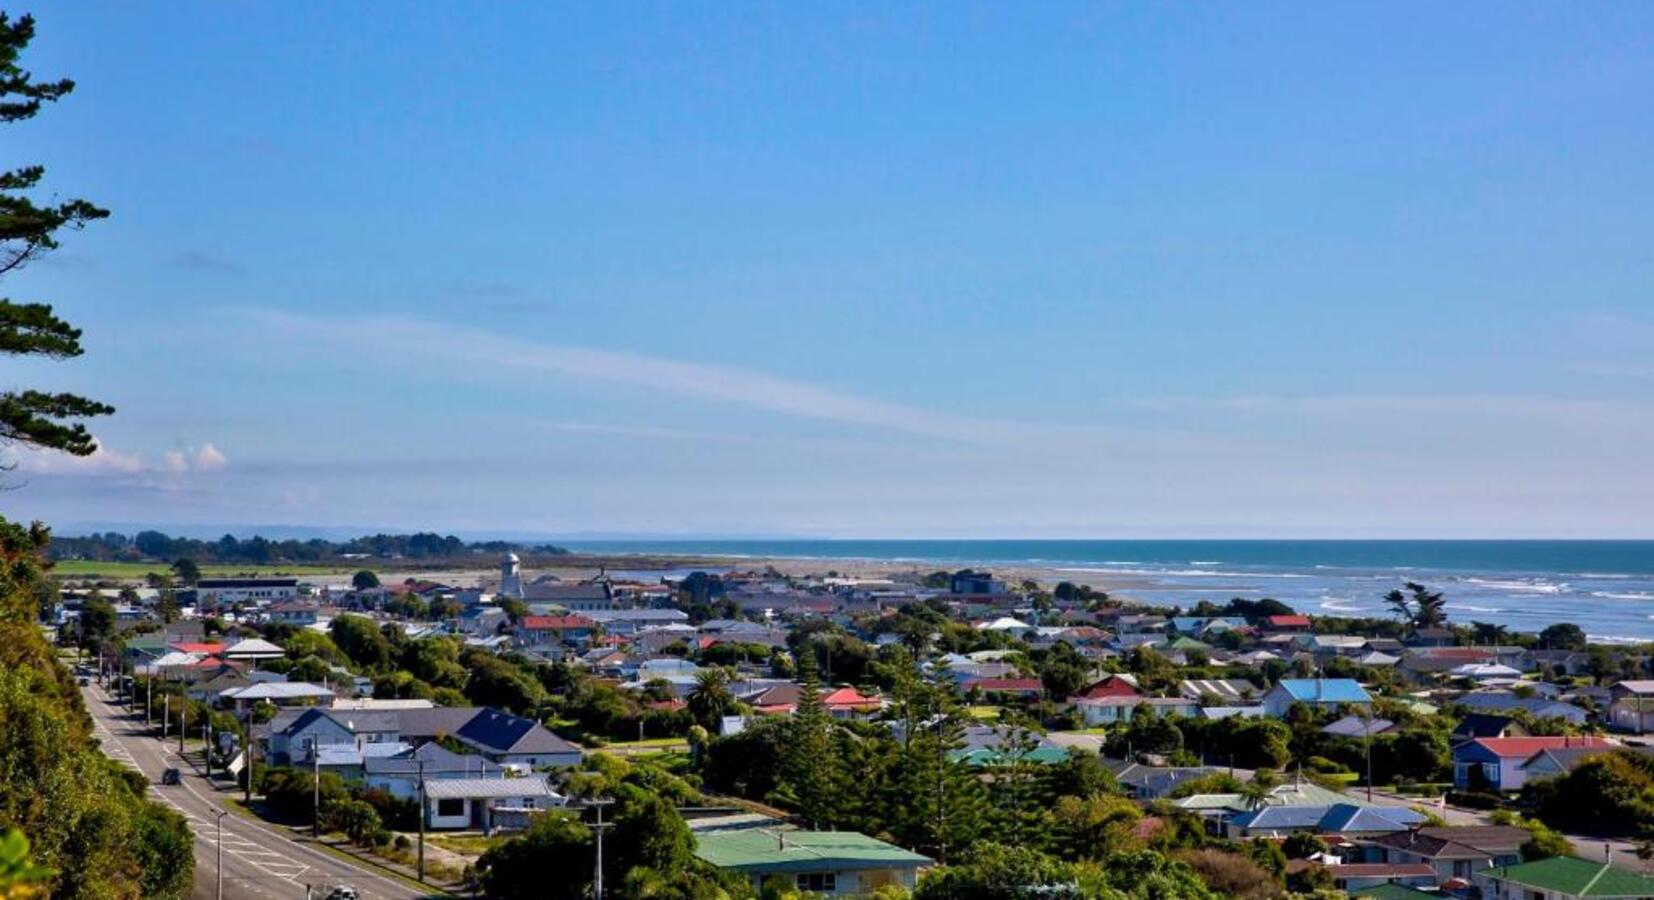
<point>183,710</point>
<point>247,753</point>
<point>422,803</point>
<point>206,744</point>
<point>598,803</point>
<point>220,864</point>
<point>316,788</point>
<point>166,714</point>
<point>149,697</point>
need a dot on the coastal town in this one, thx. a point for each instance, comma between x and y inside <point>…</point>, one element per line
<point>464,728</point>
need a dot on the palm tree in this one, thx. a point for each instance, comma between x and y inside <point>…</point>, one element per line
<point>1400,605</point>
<point>1429,607</point>
<point>710,700</point>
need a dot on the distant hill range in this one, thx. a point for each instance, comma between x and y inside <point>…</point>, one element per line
<point>114,546</point>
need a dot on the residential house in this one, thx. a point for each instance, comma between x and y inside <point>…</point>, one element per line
<point>1110,686</point>
<point>1495,764</point>
<point>1355,877</point>
<point>1454,852</point>
<point>1347,819</point>
<point>554,634</point>
<point>1287,623</point>
<point>1142,782</point>
<point>222,592</point>
<point>1318,693</point>
<point>294,735</point>
<point>1632,707</point>
<point>819,862</point>
<point>1554,761</point>
<point>487,803</point>
<point>1108,710</point>
<point>1008,687</point>
<point>1564,878</point>
<point>1486,725</point>
<point>849,703</point>
<point>1227,691</point>
<point>1539,707</point>
<point>1358,727</point>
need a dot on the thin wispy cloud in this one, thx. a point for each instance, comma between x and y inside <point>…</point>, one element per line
<point>733,385</point>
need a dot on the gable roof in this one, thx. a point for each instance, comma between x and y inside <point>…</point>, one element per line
<point>1111,686</point>
<point>502,732</point>
<point>1477,725</point>
<point>1579,877</point>
<point>777,850</point>
<point>1325,690</point>
<point>1525,747</point>
<point>1457,842</point>
<point>1355,726</point>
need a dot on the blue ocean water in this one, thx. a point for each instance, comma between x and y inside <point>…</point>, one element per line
<point>1605,587</point>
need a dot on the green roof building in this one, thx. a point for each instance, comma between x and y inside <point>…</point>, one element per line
<point>1564,878</point>
<point>1392,892</point>
<point>823,862</point>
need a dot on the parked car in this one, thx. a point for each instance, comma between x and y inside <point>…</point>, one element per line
<point>172,776</point>
<point>342,892</point>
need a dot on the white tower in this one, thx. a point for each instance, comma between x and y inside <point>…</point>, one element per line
<point>511,579</point>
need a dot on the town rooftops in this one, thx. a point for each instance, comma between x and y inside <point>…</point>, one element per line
<point>1381,870</point>
<point>777,850</point>
<point>1292,621</point>
<point>1339,817</point>
<point>556,623</point>
<point>436,760</point>
<point>1355,726</point>
<point>1575,877</point>
<point>1525,747</point>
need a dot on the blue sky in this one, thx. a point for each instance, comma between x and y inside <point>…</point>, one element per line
<point>915,270</point>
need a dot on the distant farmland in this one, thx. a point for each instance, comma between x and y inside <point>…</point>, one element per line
<point>90,568</point>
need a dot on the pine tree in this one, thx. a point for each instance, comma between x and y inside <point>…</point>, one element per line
<point>29,417</point>
<point>939,806</point>
<point>810,765</point>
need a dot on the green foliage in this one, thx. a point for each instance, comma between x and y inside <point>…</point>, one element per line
<point>19,878</point>
<point>1612,793</point>
<point>83,817</point>
<point>364,580</point>
<point>517,868</point>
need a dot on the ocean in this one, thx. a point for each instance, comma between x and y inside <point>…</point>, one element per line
<point>1605,587</point>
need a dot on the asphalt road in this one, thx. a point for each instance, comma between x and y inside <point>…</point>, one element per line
<point>260,862</point>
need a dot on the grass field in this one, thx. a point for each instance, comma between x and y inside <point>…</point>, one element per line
<point>85,568</point>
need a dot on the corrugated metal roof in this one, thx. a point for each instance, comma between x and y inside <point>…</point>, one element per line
<point>768,850</point>
<point>485,788</point>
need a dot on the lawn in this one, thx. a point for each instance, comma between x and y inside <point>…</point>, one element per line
<point>87,568</point>
<point>464,844</point>
<point>983,713</point>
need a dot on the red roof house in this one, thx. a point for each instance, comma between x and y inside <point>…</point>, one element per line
<point>1288,623</point>
<point>1112,686</point>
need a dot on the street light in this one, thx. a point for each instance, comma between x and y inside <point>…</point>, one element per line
<point>220,864</point>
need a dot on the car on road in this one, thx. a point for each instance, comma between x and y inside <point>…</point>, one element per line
<point>342,892</point>
<point>84,681</point>
<point>172,776</point>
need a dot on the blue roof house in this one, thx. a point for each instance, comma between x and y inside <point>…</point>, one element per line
<point>1319,693</point>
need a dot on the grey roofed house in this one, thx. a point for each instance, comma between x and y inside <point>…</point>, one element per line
<point>994,737</point>
<point>438,761</point>
<point>1538,706</point>
<point>1562,760</point>
<point>1226,689</point>
<point>1355,726</point>
<point>1150,782</point>
<point>480,788</point>
<point>563,592</point>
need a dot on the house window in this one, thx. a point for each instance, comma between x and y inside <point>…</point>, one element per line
<point>818,882</point>
<point>450,806</point>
